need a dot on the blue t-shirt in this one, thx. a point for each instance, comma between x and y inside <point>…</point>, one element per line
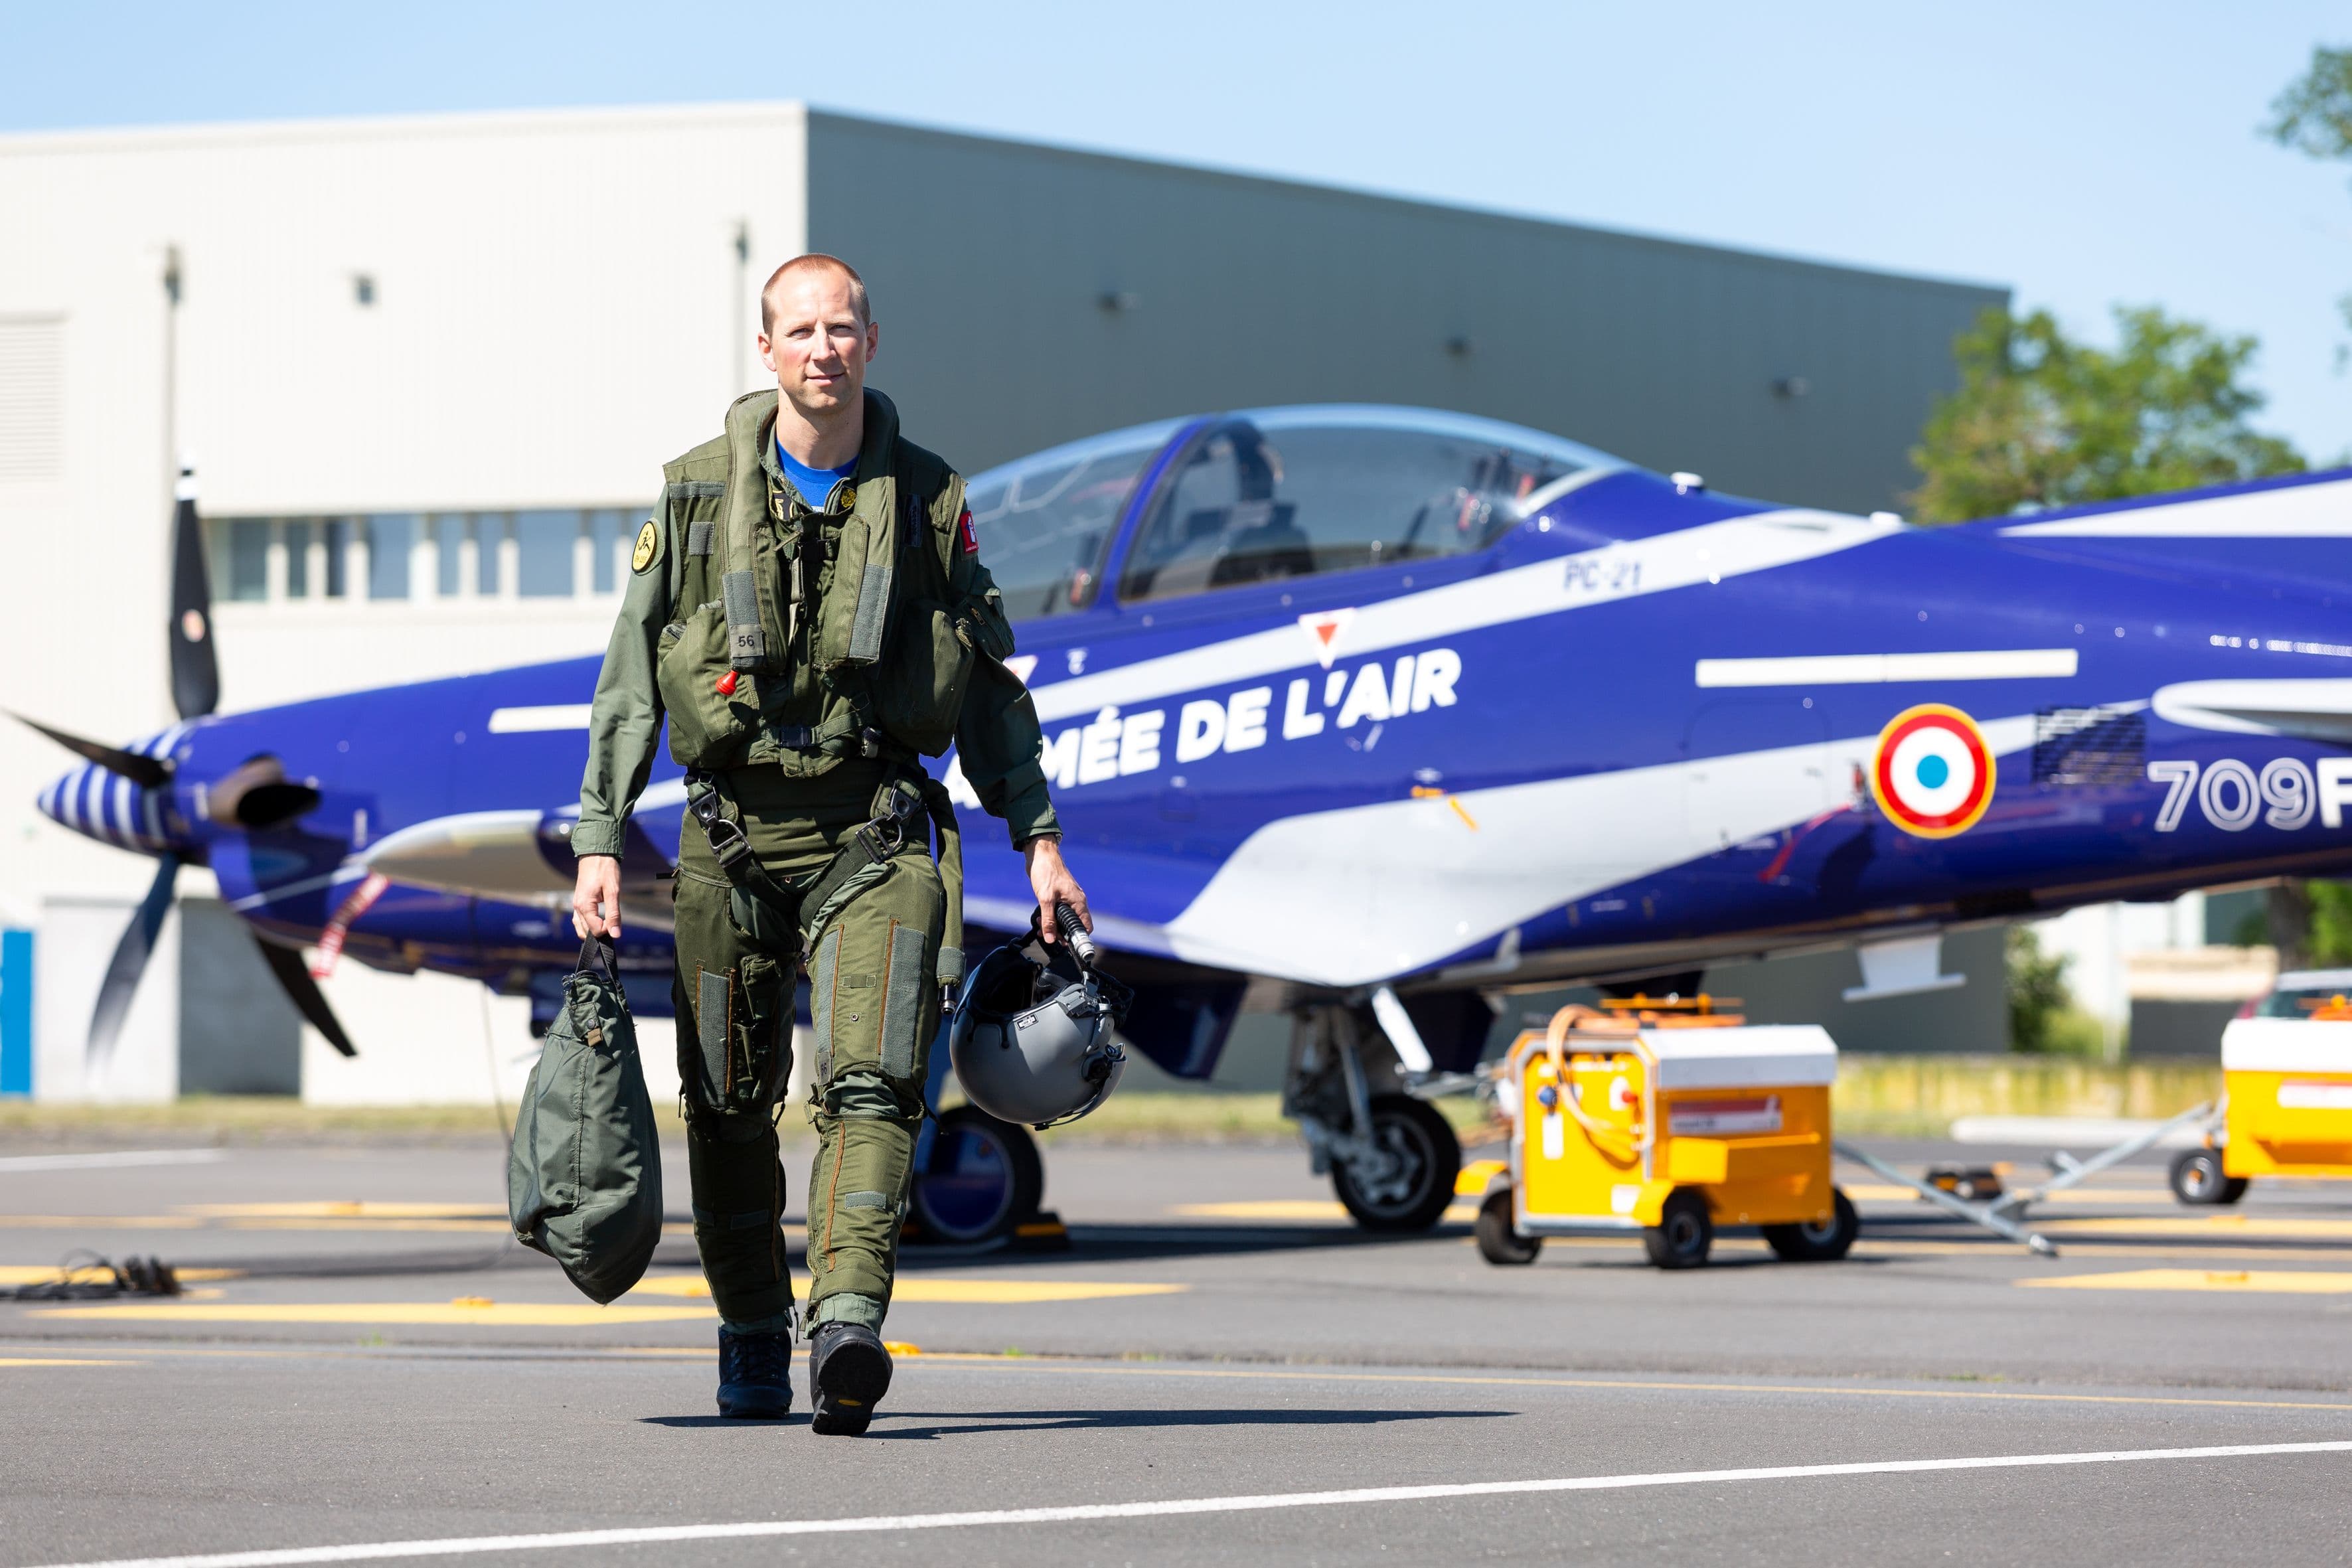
<point>815,485</point>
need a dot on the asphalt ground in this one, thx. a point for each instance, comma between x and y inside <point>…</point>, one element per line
<point>1218,1370</point>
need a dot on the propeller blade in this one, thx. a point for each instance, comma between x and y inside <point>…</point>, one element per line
<point>311,1001</point>
<point>147,772</point>
<point>129,962</point>
<point>196,673</point>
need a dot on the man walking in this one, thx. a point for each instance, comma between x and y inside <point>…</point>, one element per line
<point>809,611</point>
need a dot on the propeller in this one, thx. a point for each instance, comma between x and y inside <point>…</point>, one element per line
<point>196,673</point>
<point>256,796</point>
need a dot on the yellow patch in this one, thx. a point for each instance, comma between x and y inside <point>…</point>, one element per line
<point>2279,1281</point>
<point>649,546</point>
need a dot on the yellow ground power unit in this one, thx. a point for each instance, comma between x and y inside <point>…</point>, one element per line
<point>2287,1107</point>
<point>1668,1120</point>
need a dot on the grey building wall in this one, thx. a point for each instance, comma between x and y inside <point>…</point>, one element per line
<point>989,262</point>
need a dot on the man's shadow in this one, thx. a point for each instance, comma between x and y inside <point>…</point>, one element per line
<point>1019,1421</point>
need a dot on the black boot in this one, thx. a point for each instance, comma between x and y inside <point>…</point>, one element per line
<point>849,1372</point>
<point>755,1374</point>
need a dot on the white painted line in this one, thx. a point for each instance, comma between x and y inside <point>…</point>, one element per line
<point>101,1162</point>
<point>522,721</point>
<point>1880,669</point>
<point>459,1546</point>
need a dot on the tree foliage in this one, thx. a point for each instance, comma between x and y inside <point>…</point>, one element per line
<point>2041,420</point>
<point>2038,995</point>
<point>2314,115</point>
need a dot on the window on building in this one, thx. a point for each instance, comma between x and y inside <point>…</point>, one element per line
<point>298,557</point>
<point>545,544</point>
<point>449,530</point>
<point>337,534</point>
<point>607,530</point>
<point>390,537</point>
<point>241,558</point>
<point>1045,522</point>
<point>490,530</point>
<point>1293,496</point>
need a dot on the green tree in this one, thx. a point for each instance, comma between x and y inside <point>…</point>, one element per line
<point>2041,420</point>
<point>2037,991</point>
<point>2314,115</point>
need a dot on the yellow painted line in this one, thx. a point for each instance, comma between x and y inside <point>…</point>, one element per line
<point>1472,1181</point>
<point>1292,1208</point>
<point>56,1361</point>
<point>1865,1192</point>
<point>988,1292</point>
<point>495,1315</point>
<point>40,1273</point>
<point>2262,1281</point>
<point>258,1222</point>
<point>2219,1227</point>
<point>357,1209</point>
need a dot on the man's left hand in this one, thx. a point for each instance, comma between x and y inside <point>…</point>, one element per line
<point>1052,882</point>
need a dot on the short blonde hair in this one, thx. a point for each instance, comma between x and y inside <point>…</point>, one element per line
<point>813,261</point>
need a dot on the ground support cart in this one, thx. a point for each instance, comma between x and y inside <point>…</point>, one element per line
<point>2286,1106</point>
<point>1667,1119</point>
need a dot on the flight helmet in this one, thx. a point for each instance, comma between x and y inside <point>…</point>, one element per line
<point>1033,1035</point>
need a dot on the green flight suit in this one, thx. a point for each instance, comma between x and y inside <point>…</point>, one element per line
<point>804,660</point>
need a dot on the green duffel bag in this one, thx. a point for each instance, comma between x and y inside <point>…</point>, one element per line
<point>584,1172</point>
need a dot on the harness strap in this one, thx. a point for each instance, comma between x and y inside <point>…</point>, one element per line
<point>765,910</point>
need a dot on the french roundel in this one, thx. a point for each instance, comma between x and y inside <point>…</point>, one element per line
<point>1933,774</point>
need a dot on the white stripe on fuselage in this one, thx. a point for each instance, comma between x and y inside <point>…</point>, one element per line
<point>1361,894</point>
<point>1630,568</point>
<point>1882,668</point>
<point>2296,511</point>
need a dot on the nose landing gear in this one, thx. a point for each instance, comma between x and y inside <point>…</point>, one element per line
<point>1393,1158</point>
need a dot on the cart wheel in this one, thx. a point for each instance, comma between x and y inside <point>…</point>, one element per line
<point>1497,1242</point>
<point>1684,1232</point>
<point>1416,1193</point>
<point>2196,1178</point>
<point>1823,1242</point>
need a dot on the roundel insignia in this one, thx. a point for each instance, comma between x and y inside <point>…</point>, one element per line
<point>649,546</point>
<point>1932,774</point>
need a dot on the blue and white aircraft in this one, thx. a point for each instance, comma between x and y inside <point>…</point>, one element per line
<point>1372,714</point>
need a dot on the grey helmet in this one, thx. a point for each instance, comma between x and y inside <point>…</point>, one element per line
<point>1033,1040</point>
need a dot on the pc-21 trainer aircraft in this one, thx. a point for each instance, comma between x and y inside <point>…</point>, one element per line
<point>1383,713</point>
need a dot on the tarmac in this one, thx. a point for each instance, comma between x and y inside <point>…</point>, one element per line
<point>365,1367</point>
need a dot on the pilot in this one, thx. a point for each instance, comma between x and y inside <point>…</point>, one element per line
<point>809,610</point>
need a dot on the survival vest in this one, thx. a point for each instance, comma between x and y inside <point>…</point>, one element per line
<point>858,608</point>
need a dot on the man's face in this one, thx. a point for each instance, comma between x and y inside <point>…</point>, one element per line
<point>816,343</point>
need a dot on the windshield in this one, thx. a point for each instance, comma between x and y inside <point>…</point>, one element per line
<point>1294,492</point>
<point>1043,521</point>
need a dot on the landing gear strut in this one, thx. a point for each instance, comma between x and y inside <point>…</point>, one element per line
<point>1393,1159</point>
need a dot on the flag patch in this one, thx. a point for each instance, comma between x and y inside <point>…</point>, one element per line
<point>970,540</point>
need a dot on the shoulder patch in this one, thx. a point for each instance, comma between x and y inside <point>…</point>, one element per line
<point>970,540</point>
<point>649,547</point>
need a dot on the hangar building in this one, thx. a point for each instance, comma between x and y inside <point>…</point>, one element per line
<point>426,369</point>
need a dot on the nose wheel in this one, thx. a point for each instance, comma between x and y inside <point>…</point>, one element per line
<point>978,1180</point>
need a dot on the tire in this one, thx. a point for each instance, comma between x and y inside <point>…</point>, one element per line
<point>2196,1178</point>
<point>1498,1243</point>
<point>1684,1232</point>
<point>982,1180</point>
<point>1432,1158</point>
<point>1825,1243</point>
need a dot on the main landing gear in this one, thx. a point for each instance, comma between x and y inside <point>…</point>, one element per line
<point>1393,1158</point>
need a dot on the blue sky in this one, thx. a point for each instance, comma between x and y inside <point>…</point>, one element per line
<point>2081,153</point>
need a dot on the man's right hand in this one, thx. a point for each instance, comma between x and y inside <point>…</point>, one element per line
<point>596,898</point>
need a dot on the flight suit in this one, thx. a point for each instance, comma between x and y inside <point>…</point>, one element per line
<point>805,659</point>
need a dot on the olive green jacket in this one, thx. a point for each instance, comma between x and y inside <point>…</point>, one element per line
<point>800,686</point>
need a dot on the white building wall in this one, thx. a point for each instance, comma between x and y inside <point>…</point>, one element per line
<point>557,306</point>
